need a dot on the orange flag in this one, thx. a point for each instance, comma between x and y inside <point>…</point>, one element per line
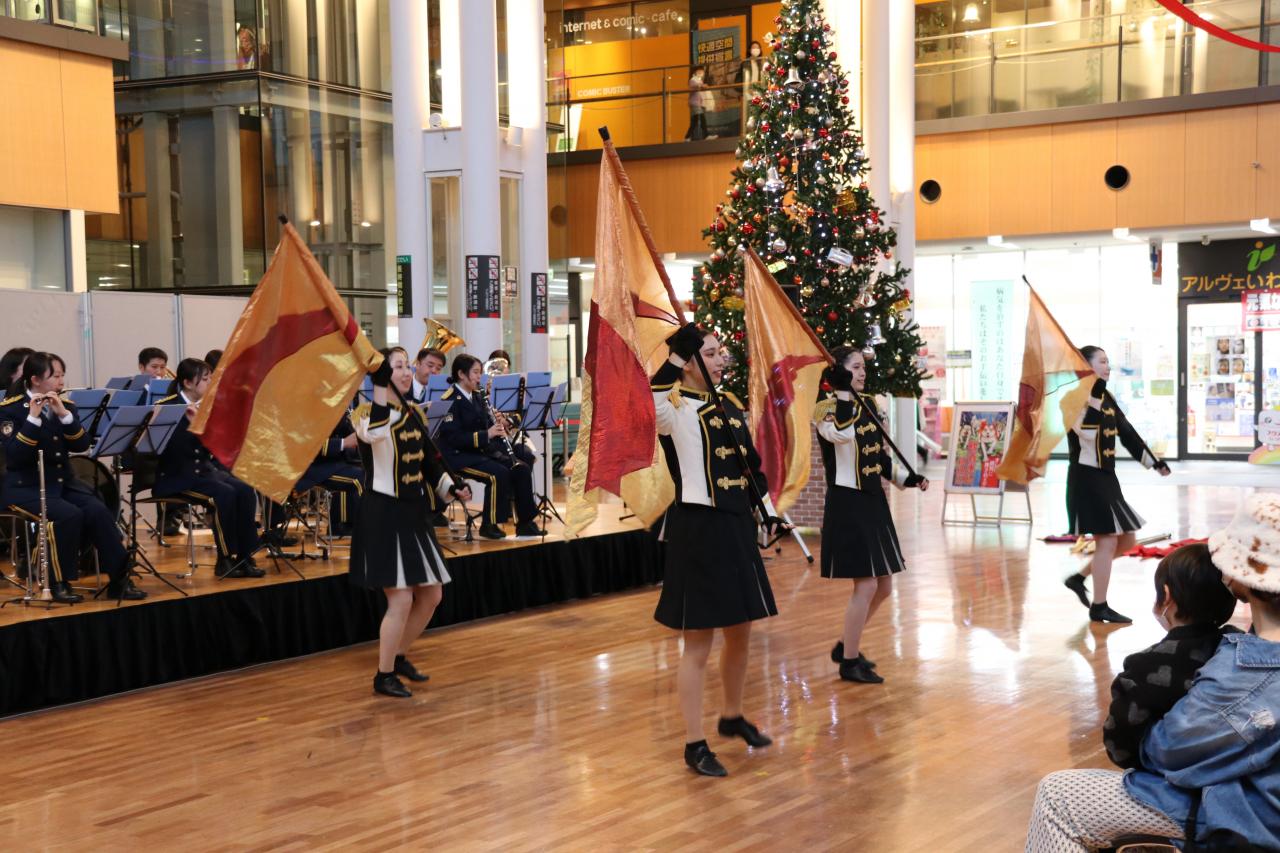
<point>786,361</point>
<point>292,365</point>
<point>633,312</point>
<point>1053,371</point>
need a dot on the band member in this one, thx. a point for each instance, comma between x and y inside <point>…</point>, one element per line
<point>187,469</point>
<point>343,479</point>
<point>212,357</point>
<point>430,362</point>
<point>37,418</point>
<point>714,577</point>
<point>1095,505</point>
<point>153,361</point>
<point>479,447</point>
<point>393,547</point>
<point>859,540</point>
<point>11,365</point>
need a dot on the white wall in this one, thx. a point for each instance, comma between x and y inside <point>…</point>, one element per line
<point>32,249</point>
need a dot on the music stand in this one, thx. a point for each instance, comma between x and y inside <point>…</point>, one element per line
<point>542,412</point>
<point>537,379</point>
<point>118,383</point>
<point>504,391</point>
<point>437,411</point>
<point>92,405</point>
<point>140,382</point>
<point>437,384</point>
<point>158,388</point>
<point>126,428</point>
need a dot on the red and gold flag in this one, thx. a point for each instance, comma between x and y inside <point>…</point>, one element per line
<point>786,361</point>
<point>292,365</point>
<point>633,312</point>
<point>1053,391</point>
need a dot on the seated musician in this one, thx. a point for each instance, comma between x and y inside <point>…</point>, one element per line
<point>153,361</point>
<point>337,474</point>
<point>429,363</point>
<point>477,448</point>
<point>35,417</point>
<point>188,470</point>
<point>212,357</point>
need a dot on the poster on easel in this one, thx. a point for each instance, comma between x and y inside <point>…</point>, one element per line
<point>980,435</point>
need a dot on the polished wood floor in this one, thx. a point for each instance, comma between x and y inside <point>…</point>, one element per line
<point>559,729</point>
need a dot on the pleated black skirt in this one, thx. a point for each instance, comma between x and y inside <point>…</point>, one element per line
<point>1095,504</point>
<point>858,536</point>
<point>393,544</point>
<point>714,576</point>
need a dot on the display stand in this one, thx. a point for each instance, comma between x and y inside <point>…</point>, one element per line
<point>978,519</point>
<point>980,436</point>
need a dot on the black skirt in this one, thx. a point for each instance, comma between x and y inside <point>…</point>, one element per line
<point>858,536</point>
<point>1095,504</point>
<point>393,544</point>
<point>714,576</point>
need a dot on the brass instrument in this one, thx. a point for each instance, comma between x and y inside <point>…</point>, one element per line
<point>169,374</point>
<point>497,367</point>
<point>41,574</point>
<point>506,453</point>
<point>439,336</point>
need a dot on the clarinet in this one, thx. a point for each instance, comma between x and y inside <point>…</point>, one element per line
<point>505,453</point>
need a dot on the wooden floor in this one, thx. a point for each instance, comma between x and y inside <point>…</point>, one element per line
<point>559,729</point>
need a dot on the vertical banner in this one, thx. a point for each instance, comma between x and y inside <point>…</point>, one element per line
<point>484,287</point>
<point>1155,252</point>
<point>720,51</point>
<point>991,306</point>
<point>404,285</point>
<point>538,304</point>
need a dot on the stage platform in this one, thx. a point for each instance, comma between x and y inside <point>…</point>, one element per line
<point>97,648</point>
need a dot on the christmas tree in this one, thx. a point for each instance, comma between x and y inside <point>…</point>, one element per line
<point>799,198</point>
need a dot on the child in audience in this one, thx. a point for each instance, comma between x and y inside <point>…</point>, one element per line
<point>1192,604</point>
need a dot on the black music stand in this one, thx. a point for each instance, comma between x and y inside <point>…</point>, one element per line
<point>542,412</point>
<point>91,403</point>
<point>128,428</point>
<point>436,411</point>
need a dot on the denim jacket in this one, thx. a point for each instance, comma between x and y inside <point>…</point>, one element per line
<point>1221,738</point>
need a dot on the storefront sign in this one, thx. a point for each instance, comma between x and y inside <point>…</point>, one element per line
<point>1225,269</point>
<point>639,23</point>
<point>484,286</point>
<point>538,304</point>
<point>1261,311</point>
<point>404,285</point>
<point>991,304</point>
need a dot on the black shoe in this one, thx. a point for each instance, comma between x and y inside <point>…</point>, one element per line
<point>172,527</point>
<point>387,684</point>
<point>439,520</point>
<point>1100,612</point>
<point>21,567</point>
<point>492,531</point>
<point>1075,583</point>
<point>703,760</point>
<point>527,528</point>
<point>739,727</point>
<point>408,670</point>
<point>251,569</point>
<point>63,594</point>
<point>837,655</point>
<point>125,590</point>
<point>856,670</point>
<point>229,568</point>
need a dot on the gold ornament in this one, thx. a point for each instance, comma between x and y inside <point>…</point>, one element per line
<point>806,291</point>
<point>733,303</point>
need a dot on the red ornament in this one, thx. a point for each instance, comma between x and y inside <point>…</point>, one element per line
<point>820,330</point>
<point>816,44</point>
<point>808,252</point>
<point>735,195</point>
<point>844,99</point>
<point>888,255</point>
<point>782,72</point>
<point>796,279</point>
<point>757,100</point>
<point>832,56</point>
<point>784,161</point>
<point>832,316</point>
<point>748,228</point>
<point>823,132</point>
<point>764,126</point>
<point>737,336</point>
<point>719,226</point>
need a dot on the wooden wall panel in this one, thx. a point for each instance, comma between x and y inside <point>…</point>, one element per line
<point>89,122</point>
<point>1221,180</point>
<point>958,162</point>
<point>32,168</point>
<point>1267,201</point>
<point>1081,154</point>
<point>1151,148</point>
<point>1020,160</point>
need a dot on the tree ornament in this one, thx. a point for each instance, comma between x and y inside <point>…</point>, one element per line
<point>825,282</point>
<point>707,279</point>
<point>760,182</point>
<point>806,291</point>
<point>802,54</point>
<point>820,330</point>
<point>778,246</point>
<point>832,316</point>
<point>764,127</point>
<point>748,228</point>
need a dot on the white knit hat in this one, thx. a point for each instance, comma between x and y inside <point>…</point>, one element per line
<point>1248,549</point>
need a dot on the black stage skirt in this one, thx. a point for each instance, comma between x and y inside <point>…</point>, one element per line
<point>393,544</point>
<point>1095,504</point>
<point>714,576</point>
<point>858,536</point>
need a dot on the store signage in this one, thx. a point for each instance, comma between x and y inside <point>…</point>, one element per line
<point>538,304</point>
<point>638,22</point>
<point>484,286</point>
<point>1225,269</point>
<point>404,285</point>
<point>991,304</point>
<point>1261,311</point>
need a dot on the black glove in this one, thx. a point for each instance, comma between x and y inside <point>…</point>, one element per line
<point>382,376</point>
<point>1161,466</point>
<point>913,481</point>
<point>1099,388</point>
<point>841,379</point>
<point>687,341</point>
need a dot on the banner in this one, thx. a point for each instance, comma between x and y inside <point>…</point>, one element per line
<point>991,305</point>
<point>484,286</point>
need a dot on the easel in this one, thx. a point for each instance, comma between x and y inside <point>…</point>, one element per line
<point>996,520</point>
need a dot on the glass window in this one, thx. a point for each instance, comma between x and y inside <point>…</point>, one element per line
<point>340,41</point>
<point>81,14</point>
<point>509,214</point>
<point>33,250</point>
<point>25,10</point>
<point>446,248</point>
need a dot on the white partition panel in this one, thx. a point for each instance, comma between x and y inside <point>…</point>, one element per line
<point>207,322</point>
<point>47,321</point>
<point>124,323</point>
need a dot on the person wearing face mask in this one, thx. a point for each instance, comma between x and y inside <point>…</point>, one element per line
<point>1095,505</point>
<point>750,75</point>
<point>700,101</point>
<point>1192,605</point>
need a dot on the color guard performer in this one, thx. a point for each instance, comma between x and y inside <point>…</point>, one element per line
<point>859,540</point>
<point>1095,505</point>
<point>714,577</point>
<point>394,548</point>
<point>37,418</point>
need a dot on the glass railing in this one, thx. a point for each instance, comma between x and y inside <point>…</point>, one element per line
<point>1099,60</point>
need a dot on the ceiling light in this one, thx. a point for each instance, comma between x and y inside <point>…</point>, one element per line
<point>1262,226</point>
<point>970,13</point>
<point>315,223</point>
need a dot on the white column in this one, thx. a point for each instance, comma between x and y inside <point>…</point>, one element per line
<point>901,205</point>
<point>227,194</point>
<point>481,229</point>
<point>845,18</point>
<point>527,64</point>
<point>409,107</point>
<point>451,81</point>
<point>77,262</point>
